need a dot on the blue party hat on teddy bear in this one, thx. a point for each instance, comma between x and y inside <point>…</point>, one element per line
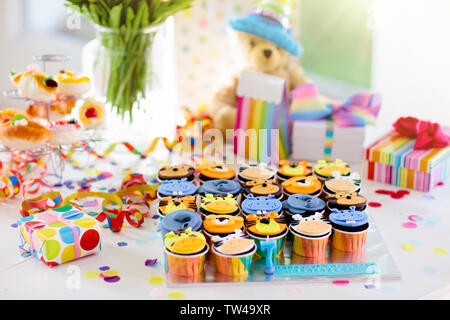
<point>270,20</point>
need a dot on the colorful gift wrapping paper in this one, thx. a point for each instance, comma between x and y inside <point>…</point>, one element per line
<point>392,159</point>
<point>59,235</point>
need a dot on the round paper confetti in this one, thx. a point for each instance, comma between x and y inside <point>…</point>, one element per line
<point>415,217</point>
<point>91,274</point>
<point>408,247</point>
<point>374,204</point>
<point>440,251</point>
<point>122,244</point>
<point>176,295</point>
<point>409,225</point>
<point>109,273</point>
<point>429,270</point>
<point>150,262</point>
<point>111,279</point>
<point>104,268</point>
<point>341,283</point>
<point>156,280</point>
<point>14,225</point>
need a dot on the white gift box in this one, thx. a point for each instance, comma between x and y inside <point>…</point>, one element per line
<point>309,137</point>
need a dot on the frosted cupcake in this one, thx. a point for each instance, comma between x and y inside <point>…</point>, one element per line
<point>327,169</point>
<point>267,227</point>
<point>310,236</point>
<point>170,204</point>
<point>176,172</point>
<point>219,205</point>
<point>346,200</point>
<point>221,225</point>
<point>185,252</point>
<point>260,205</point>
<point>255,172</point>
<point>263,188</point>
<point>302,185</point>
<point>349,229</point>
<point>180,220</point>
<point>234,254</point>
<point>220,188</point>
<point>212,171</point>
<point>303,205</point>
<point>289,170</point>
<point>176,188</point>
<point>340,183</point>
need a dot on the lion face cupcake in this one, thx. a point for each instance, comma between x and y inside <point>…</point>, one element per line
<point>170,204</point>
<point>289,170</point>
<point>211,171</point>
<point>221,225</point>
<point>302,185</point>
<point>255,172</point>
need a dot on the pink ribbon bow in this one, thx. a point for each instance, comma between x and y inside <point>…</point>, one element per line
<point>428,135</point>
<point>357,111</point>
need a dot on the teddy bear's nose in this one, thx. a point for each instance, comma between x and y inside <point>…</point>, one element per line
<point>267,53</point>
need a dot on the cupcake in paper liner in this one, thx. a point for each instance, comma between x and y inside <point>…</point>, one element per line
<point>267,227</point>
<point>234,253</point>
<point>180,220</point>
<point>219,205</point>
<point>170,204</point>
<point>220,188</point>
<point>289,170</point>
<point>310,236</point>
<point>263,188</point>
<point>345,200</point>
<point>327,169</point>
<point>221,225</point>
<point>177,172</point>
<point>212,171</point>
<point>185,252</point>
<point>260,205</point>
<point>302,204</point>
<point>349,229</point>
<point>176,188</point>
<point>338,183</point>
<point>302,185</point>
<point>255,172</point>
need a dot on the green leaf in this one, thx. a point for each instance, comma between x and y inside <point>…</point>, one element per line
<point>115,16</point>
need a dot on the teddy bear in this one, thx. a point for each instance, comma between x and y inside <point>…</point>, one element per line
<point>262,44</point>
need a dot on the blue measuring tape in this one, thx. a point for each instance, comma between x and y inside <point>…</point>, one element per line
<point>326,270</point>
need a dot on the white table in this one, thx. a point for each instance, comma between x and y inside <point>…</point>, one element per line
<point>425,273</point>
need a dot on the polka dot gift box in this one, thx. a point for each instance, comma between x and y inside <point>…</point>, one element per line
<point>59,235</point>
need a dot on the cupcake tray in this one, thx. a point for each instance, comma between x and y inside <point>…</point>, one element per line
<point>376,259</point>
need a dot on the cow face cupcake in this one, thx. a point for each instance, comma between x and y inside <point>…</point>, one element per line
<point>288,169</point>
<point>219,205</point>
<point>260,205</point>
<point>220,187</point>
<point>310,237</point>
<point>302,185</point>
<point>350,229</point>
<point>255,172</point>
<point>338,183</point>
<point>177,172</point>
<point>221,225</point>
<point>185,252</point>
<point>263,188</point>
<point>180,220</point>
<point>213,171</point>
<point>176,188</point>
<point>267,227</point>
<point>234,253</point>
<point>345,200</point>
<point>326,169</point>
<point>303,205</point>
<point>170,204</point>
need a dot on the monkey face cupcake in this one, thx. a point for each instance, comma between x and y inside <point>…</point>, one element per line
<point>261,187</point>
<point>260,205</point>
<point>220,187</point>
<point>326,169</point>
<point>255,172</point>
<point>289,170</point>
<point>219,205</point>
<point>177,172</point>
<point>302,185</point>
<point>176,188</point>
<point>345,200</point>
<point>338,183</point>
<point>211,171</point>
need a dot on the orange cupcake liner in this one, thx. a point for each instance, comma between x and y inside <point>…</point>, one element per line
<point>310,247</point>
<point>186,265</point>
<point>349,241</point>
<point>235,266</point>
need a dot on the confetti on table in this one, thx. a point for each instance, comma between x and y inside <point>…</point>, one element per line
<point>428,196</point>
<point>156,280</point>
<point>415,217</point>
<point>122,244</point>
<point>150,262</point>
<point>440,251</point>
<point>370,286</point>
<point>91,274</point>
<point>14,225</point>
<point>440,183</point>
<point>112,279</point>
<point>104,268</point>
<point>341,283</point>
<point>109,273</point>
<point>429,270</point>
<point>408,247</point>
<point>409,225</point>
<point>176,295</point>
<point>374,204</point>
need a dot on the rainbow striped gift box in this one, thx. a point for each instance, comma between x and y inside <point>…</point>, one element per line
<point>262,105</point>
<point>392,159</point>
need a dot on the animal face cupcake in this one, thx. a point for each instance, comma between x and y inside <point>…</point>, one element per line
<point>234,254</point>
<point>338,183</point>
<point>260,205</point>
<point>213,171</point>
<point>303,205</point>
<point>263,188</point>
<point>302,185</point>
<point>326,169</point>
<point>345,200</point>
<point>310,237</point>
<point>220,187</point>
<point>170,204</point>
<point>221,225</point>
<point>350,229</point>
<point>219,205</point>
<point>176,188</point>
<point>185,252</point>
<point>267,227</point>
<point>180,220</point>
<point>255,172</point>
<point>177,172</point>
<point>288,169</point>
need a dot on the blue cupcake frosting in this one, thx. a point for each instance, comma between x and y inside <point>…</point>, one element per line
<point>180,188</point>
<point>221,186</point>
<point>180,220</point>
<point>260,205</point>
<point>349,218</point>
<point>302,203</point>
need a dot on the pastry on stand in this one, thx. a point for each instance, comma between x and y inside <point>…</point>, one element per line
<point>92,114</point>
<point>65,132</point>
<point>23,134</point>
